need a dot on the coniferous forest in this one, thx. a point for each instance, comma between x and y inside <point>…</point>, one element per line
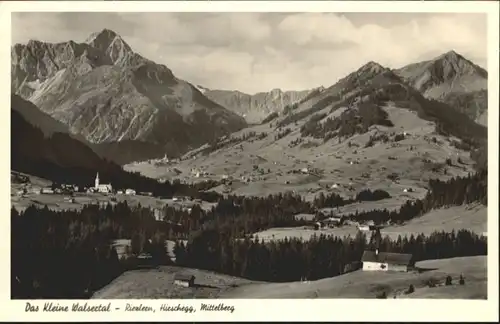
<point>69,254</point>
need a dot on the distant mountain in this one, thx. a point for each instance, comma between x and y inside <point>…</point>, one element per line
<point>113,96</point>
<point>452,79</point>
<point>255,108</point>
<point>361,95</point>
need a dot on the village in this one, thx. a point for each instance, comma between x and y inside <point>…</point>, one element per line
<point>68,196</point>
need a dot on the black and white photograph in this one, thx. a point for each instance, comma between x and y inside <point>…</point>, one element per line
<point>249,155</point>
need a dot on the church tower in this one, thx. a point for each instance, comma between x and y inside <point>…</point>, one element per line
<point>97,180</point>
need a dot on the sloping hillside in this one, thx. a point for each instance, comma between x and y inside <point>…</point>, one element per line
<point>368,130</point>
<point>34,116</point>
<point>51,153</point>
<point>361,284</point>
<point>158,283</point>
<point>106,92</point>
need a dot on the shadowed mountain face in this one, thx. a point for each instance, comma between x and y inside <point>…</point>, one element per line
<point>255,108</point>
<point>44,147</point>
<point>452,79</point>
<point>111,95</point>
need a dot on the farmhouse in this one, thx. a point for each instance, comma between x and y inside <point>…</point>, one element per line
<point>305,217</point>
<point>184,280</point>
<point>384,261</point>
<point>46,191</point>
<point>104,188</point>
<point>364,227</point>
<point>332,221</point>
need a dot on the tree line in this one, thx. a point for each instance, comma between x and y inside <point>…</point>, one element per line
<point>293,259</point>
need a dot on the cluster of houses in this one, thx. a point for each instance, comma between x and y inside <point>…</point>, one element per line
<point>62,189</point>
<point>332,221</point>
<point>105,188</point>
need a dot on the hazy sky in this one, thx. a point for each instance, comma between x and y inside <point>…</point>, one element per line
<point>254,52</point>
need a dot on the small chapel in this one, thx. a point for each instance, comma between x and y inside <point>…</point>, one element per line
<point>104,188</point>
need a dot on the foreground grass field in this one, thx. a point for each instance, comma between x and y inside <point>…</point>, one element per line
<point>158,283</point>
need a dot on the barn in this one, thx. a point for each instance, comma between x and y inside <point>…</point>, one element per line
<point>384,261</point>
<point>332,221</point>
<point>184,280</point>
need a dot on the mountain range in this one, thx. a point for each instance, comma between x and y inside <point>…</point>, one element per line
<point>127,108</point>
<point>256,107</point>
<point>111,95</point>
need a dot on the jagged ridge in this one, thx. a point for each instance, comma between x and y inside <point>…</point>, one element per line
<point>104,91</point>
<point>255,108</point>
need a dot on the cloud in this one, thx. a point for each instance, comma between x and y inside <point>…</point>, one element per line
<point>255,52</point>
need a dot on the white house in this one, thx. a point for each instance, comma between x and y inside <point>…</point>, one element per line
<point>46,191</point>
<point>158,214</point>
<point>384,261</point>
<point>332,221</point>
<point>363,227</point>
<point>104,188</point>
<point>184,280</point>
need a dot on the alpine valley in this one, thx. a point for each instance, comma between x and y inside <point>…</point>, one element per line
<point>128,182</point>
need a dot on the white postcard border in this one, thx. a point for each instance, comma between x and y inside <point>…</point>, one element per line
<point>264,309</point>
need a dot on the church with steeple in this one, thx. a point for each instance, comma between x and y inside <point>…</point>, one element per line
<point>104,188</point>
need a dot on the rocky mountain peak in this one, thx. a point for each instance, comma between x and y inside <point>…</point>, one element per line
<point>110,43</point>
<point>452,79</point>
<point>451,55</point>
<point>372,68</point>
<point>451,64</point>
<point>103,37</point>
